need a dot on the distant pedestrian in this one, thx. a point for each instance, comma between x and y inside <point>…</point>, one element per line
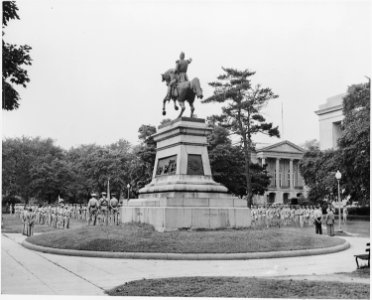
<point>318,221</point>
<point>330,220</point>
<point>344,214</point>
<point>24,221</point>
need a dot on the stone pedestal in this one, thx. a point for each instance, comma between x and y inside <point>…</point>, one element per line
<point>182,193</point>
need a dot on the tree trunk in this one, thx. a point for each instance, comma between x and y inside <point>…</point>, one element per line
<point>248,175</point>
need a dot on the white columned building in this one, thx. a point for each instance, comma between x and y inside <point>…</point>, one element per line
<point>282,162</point>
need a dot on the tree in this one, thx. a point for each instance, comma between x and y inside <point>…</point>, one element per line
<point>27,160</point>
<point>354,142</point>
<point>95,165</point>
<point>14,58</point>
<point>318,169</point>
<point>242,112</point>
<point>142,164</point>
<point>227,163</point>
<point>310,144</point>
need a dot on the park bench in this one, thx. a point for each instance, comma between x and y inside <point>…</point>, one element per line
<point>363,256</point>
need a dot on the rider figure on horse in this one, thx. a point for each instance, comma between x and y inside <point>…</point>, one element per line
<point>180,74</point>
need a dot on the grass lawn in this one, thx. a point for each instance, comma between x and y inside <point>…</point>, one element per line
<point>241,287</point>
<point>13,224</point>
<point>143,238</point>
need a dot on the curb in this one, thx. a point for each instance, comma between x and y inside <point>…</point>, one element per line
<point>188,256</point>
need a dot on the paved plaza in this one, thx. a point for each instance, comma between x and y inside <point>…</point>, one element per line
<point>29,272</point>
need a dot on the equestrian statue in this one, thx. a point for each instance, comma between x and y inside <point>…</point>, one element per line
<point>180,88</point>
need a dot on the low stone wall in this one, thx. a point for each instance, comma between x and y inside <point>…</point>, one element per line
<point>173,218</point>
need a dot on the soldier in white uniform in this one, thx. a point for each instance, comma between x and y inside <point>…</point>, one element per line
<point>60,211</point>
<point>104,208</point>
<point>66,218</point>
<point>114,209</point>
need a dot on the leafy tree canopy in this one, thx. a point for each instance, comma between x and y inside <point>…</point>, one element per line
<point>351,158</point>
<point>241,113</point>
<point>14,58</point>
<point>354,142</point>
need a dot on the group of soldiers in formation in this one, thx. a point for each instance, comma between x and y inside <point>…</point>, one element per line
<point>105,211</point>
<point>101,211</point>
<point>302,216</point>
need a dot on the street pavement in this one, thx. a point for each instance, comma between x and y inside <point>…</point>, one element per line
<point>30,272</point>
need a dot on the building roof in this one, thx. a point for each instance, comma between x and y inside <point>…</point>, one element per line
<point>282,147</point>
<point>332,103</point>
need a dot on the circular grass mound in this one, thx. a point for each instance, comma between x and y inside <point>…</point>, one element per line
<point>143,238</point>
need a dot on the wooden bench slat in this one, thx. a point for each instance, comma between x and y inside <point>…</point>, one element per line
<point>362,256</point>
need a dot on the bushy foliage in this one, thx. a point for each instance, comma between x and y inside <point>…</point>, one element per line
<point>36,168</point>
<point>14,59</point>
<point>352,158</point>
<point>354,143</point>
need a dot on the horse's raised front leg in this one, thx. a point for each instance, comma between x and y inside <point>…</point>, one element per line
<point>182,104</point>
<point>164,101</point>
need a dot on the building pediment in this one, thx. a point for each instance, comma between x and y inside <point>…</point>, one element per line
<point>283,147</point>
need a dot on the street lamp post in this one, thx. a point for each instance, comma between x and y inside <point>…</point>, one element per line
<point>338,177</point>
<point>128,187</point>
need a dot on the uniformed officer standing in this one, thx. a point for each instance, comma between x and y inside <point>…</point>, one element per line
<point>104,206</point>
<point>114,208</point>
<point>93,209</point>
<point>30,221</point>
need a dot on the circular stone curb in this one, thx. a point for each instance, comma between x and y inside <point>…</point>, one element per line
<point>188,256</point>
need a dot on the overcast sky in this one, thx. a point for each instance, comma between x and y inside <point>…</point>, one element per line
<point>95,76</point>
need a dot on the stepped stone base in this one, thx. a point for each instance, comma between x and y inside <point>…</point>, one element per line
<point>194,214</point>
<point>182,193</point>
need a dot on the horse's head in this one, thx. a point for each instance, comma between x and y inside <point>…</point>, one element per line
<point>167,76</point>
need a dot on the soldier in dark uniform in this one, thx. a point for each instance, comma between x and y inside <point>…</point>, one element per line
<point>180,73</point>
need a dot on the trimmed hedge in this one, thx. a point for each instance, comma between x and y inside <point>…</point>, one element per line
<point>356,211</point>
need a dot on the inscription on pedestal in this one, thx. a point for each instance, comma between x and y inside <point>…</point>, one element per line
<point>167,166</point>
<point>194,165</point>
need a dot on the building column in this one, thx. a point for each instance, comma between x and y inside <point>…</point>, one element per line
<point>291,181</point>
<point>277,180</point>
<point>263,161</point>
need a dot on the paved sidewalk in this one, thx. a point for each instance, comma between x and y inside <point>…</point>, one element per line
<point>27,272</point>
<point>56,274</point>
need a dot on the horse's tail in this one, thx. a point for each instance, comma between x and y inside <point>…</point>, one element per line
<point>195,85</point>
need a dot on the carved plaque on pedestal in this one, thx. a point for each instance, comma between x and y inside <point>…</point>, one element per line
<point>167,166</point>
<point>194,165</point>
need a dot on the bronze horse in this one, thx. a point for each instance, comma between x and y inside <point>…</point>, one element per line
<point>183,91</point>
